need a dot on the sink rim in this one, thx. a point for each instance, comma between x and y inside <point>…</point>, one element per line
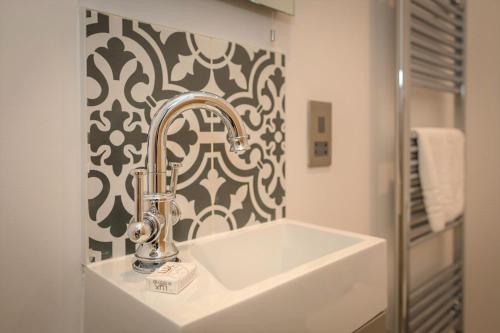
<point>270,224</point>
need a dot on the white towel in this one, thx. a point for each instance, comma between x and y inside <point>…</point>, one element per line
<point>441,168</point>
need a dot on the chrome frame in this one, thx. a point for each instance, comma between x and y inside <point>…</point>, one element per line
<point>446,53</point>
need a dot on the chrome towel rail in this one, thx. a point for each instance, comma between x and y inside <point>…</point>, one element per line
<point>425,233</point>
<point>430,54</point>
<point>436,36</point>
<point>448,293</point>
<point>436,301</point>
<point>422,290</point>
<point>436,12</point>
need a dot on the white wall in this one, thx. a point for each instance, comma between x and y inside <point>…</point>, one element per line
<point>40,135</point>
<point>339,51</point>
<point>329,60</point>
<point>482,290</point>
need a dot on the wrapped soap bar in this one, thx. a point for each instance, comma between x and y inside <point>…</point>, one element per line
<point>172,277</point>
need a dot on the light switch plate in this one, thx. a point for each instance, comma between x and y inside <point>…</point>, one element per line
<point>320,133</point>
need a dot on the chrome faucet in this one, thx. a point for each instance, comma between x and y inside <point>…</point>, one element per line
<point>152,229</point>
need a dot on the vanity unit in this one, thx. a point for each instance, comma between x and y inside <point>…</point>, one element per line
<point>282,276</point>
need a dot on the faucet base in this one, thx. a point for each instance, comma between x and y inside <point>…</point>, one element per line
<point>144,267</point>
<point>150,257</point>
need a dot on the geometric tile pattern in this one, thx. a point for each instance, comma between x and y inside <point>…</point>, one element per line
<point>132,68</point>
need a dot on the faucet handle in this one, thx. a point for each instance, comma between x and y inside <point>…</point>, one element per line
<point>147,230</point>
<point>175,212</point>
<point>140,232</point>
<point>173,176</point>
<point>139,181</point>
<point>145,225</point>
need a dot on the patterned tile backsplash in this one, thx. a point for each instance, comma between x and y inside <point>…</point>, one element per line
<point>132,68</point>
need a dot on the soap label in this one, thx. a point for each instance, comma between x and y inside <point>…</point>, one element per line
<point>172,277</point>
<point>162,286</point>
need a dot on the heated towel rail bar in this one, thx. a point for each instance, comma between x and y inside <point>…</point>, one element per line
<point>430,54</point>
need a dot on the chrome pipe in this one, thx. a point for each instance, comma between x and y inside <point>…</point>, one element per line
<point>417,219</point>
<point>402,166</point>
<point>434,50</point>
<point>426,6</point>
<point>437,292</point>
<point>432,23</point>
<point>436,85</point>
<point>417,205</point>
<point>435,74</point>
<point>434,313</point>
<point>434,62</point>
<point>436,37</point>
<point>415,190</point>
<point>428,68</point>
<point>459,230</point>
<point>420,237</point>
<point>445,323</point>
<point>415,182</point>
<point>444,274</point>
<point>416,196</point>
<point>447,7</point>
<point>419,231</point>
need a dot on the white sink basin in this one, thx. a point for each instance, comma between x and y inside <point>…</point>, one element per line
<point>250,257</point>
<point>283,276</point>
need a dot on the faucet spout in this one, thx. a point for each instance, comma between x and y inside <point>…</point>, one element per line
<point>157,138</point>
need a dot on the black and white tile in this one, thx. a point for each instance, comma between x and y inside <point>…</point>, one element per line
<point>132,68</point>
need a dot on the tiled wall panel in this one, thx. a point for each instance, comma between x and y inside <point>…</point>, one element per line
<point>132,68</point>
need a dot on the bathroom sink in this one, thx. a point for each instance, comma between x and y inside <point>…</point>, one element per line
<point>282,276</point>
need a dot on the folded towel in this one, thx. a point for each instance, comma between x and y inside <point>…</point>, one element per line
<point>441,168</point>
